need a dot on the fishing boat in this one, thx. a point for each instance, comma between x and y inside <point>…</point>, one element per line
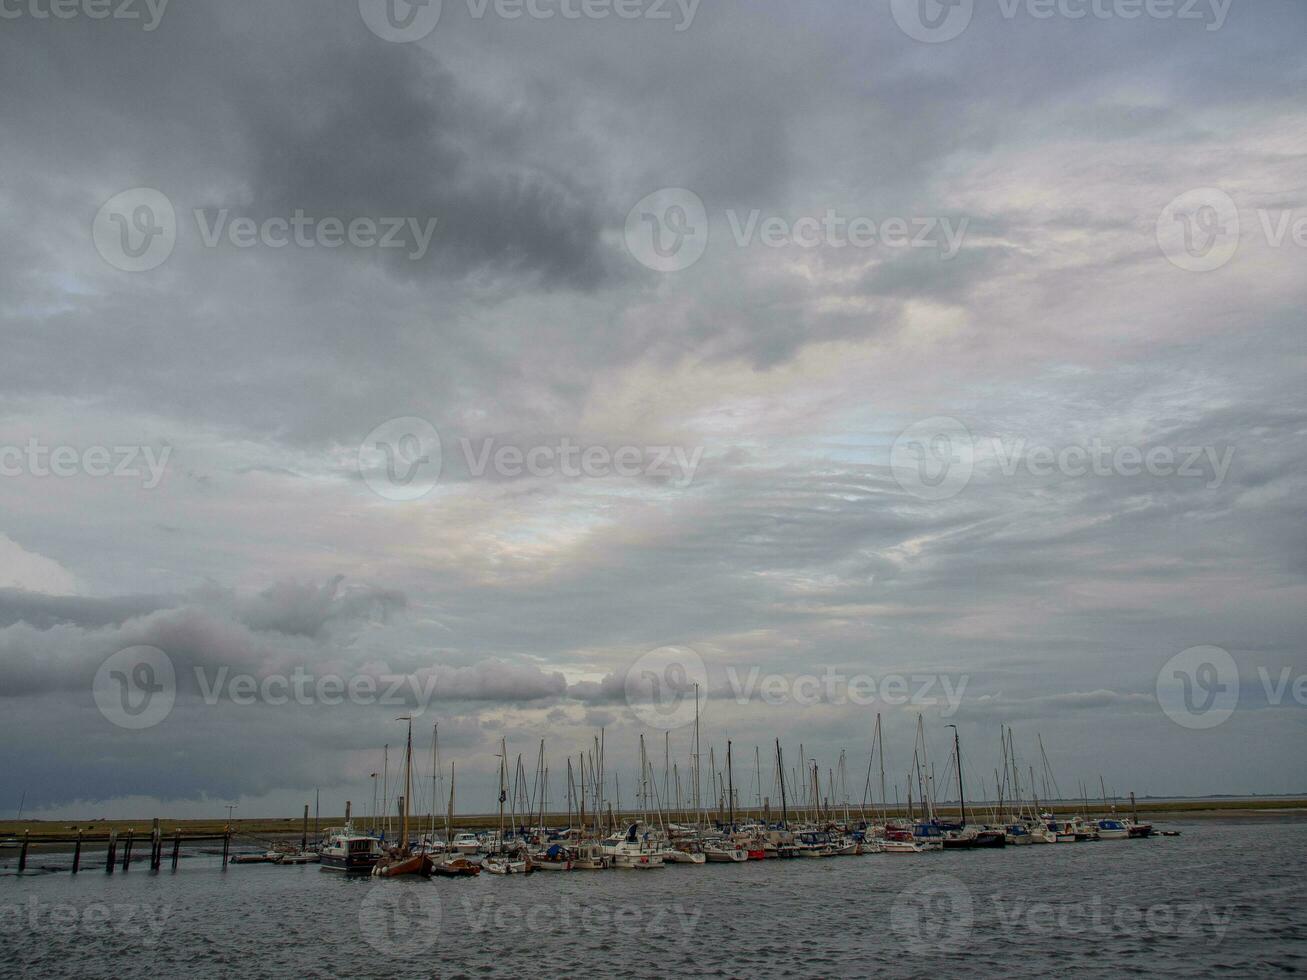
<point>633,849</point>
<point>345,849</point>
<point>628,855</point>
<point>590,857</point>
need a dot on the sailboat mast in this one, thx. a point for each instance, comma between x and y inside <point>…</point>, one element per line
<point>730,785</point>
<point>884,803</point>
<point>957,752</point>
<point>780,777</point>
<point>698,802</point>
<point>408,786</point>
<point>503,793</point>
<point>667,767</point>
<point>644,783</point>
<point>435,772</point>
<point>449,814</point>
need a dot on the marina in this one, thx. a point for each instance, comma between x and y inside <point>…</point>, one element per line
<point>1224,895</point>
<point>595,833</point>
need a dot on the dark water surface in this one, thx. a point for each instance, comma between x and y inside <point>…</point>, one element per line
<point>1226,896</point>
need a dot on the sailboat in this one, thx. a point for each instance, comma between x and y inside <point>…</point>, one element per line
<point>400,861</point>
<point>453,863</point>
<point>501,862</point>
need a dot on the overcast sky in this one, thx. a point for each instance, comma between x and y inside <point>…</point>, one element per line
<point>853,443</point>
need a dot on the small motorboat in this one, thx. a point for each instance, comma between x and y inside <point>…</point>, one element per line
<point>300,857</point>
<point>904,847</point>
<point>263,857</point>
<point>674,855</point>
<point>455,867</point>
<point>1063,832</point>
<point>1042,834</point>
<point>1112,829</point>
<point>1018,833</point>
<point>725,855</point>
<point>554,858</point>
<point>503,865</point>
<point>465,842</point>
<point>990,838</point>
<point>901,841</point>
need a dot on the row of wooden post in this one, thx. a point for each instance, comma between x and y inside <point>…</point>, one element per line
<point>111,853</point>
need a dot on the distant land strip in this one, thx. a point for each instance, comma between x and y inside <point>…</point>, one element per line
<point>1268,807</point>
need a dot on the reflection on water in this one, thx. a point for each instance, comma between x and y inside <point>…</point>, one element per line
<point>1226,896</point>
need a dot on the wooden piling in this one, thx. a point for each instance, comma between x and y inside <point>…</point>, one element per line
<point>304,835</point>
<point>348,808</point>
<point>156,846</point>
<point>127,849</point>
<point>176,848</point>
<point>77,853</point>
<point>226,846</point>
<point>22,855</point>
<point>112,852</point>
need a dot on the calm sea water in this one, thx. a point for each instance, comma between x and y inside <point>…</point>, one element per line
<point>1225,896</point>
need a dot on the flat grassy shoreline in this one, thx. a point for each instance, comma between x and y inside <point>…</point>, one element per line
<point>1272,807</point>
